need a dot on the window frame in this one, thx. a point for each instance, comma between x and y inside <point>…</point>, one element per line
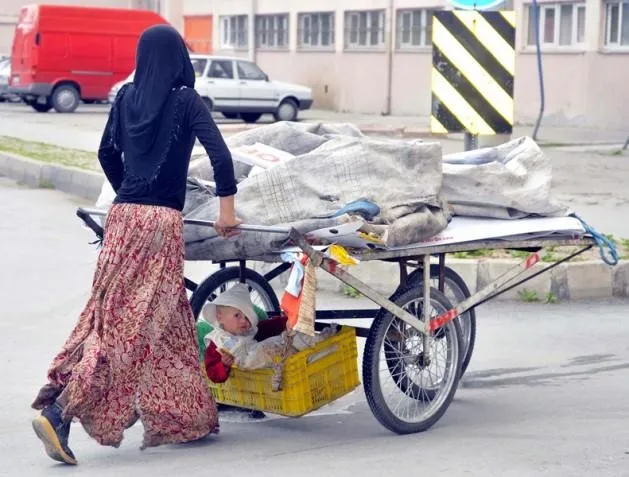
<point>275,25</point>
<point>425,28</point>
<point>616,45</point>
<point>354,17</point>
<point>315,19</point>
<point>229,32</point>
<point>577,40</point>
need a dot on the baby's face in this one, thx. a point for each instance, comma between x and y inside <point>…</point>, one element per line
<point>232,320</point>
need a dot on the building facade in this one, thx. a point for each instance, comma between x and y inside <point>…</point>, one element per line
<point>374,56</point>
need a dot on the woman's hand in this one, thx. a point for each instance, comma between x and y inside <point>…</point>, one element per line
<point>227,221</point>
<point>227,226</point>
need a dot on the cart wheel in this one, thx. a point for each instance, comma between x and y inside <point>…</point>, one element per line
<point>456,291</point>
<point>262,294</point>
<point>405,393</point>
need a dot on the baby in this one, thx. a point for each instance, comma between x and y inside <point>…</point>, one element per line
<point>235,329</point>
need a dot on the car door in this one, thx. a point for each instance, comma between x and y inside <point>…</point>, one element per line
<point>222,86</point>
<point>257,93</point>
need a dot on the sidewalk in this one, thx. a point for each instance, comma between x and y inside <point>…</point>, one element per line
<point>82,130</point>
<point>418,126</point>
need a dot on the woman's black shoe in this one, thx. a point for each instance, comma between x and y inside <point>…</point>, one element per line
<point>54,433</point>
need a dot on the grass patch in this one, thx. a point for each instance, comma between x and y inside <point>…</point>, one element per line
<point>528,296</point>
<point>351,291</point>
<point>49,153</point>
<point>612,239</point>
<point>474,253</point>
<point>549,257</point>
<point>521,254</point>
<point>550,254</point>
<point>46,184</point>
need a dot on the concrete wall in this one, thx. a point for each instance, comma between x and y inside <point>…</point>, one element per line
<point>584,86</point>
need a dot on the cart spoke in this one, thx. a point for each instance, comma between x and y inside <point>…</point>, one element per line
<point>413,387</point>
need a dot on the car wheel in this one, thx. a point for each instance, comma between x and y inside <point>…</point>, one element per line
<point>65,98</point>
<point>286,111</point>
<point>250,117</point>
<point>230,115</point>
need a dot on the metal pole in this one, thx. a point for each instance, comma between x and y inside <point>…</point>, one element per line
<point>427,308</point>
<point>389,42</point>
<point>540,73</point>
<point>251,27</point>
<point>470,142</point>
<point>626,144</point>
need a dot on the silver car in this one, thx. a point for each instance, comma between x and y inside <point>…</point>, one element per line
<point>5,73</point>
<point>238,88</point>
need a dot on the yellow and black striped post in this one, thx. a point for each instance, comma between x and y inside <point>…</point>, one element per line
<point>473,66</point>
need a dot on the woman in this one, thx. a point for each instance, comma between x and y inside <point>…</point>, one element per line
<point>133,353</point>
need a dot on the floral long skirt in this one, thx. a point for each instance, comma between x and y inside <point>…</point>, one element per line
<point>133,353</point>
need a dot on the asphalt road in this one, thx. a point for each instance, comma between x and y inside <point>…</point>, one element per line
<point>545,395</point>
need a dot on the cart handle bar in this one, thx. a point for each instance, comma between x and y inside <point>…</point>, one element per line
<point>205,223</point>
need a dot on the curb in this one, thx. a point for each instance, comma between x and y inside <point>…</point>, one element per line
<point>568,281</point>
<point>71,180</point>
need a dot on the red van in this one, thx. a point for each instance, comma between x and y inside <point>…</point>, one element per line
<point>63,54</point>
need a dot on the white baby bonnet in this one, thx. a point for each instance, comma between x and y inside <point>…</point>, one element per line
<point>237,296</point>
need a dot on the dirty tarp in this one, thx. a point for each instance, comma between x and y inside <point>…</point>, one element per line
<point>334,165</point>
<point>509,181</point>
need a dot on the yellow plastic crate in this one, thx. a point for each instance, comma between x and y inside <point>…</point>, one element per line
<point>312,378</point>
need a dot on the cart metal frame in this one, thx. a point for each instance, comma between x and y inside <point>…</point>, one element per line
<point>413,256</point>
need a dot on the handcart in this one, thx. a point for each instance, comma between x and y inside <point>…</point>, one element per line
<point>414,354</point>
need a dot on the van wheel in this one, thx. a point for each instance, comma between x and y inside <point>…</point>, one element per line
<point>230,115</point>
<point>41,108</point>
<point>250,117</point>
<point>286,111</point>
<point>65,98</point>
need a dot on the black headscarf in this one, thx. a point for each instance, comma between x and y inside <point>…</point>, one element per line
<point>162,64</point>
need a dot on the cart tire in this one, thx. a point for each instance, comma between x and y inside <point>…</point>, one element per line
<point>459,289</point>
<point>211,284</point>
<point>438,399</point>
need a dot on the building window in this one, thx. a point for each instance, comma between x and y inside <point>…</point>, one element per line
<point>560,25</point>
<point>272,31</point>
<point>617,24</point>
<point>152,5</point>
<point>413,28</point>
<point>316,30</point>
<point>233,30</point>
<point>364,29</point>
